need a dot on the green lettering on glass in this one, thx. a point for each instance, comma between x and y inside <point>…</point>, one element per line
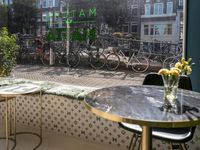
<point>52,35</point>
<point>63,15</point>
<point>73,13</point>
<point>92,34</point>
<point>56,14</point>
<point>88,21</point>
<point>50,14</point>
<point>92,11</point>
<point>69,21</point>
<point>82,13</point>
<point>78,34</point>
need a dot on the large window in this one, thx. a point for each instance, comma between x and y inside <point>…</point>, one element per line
<point>84,21</point>
<point>158,8</point>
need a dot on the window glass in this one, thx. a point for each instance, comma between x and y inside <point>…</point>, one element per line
<point>85,21</point>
